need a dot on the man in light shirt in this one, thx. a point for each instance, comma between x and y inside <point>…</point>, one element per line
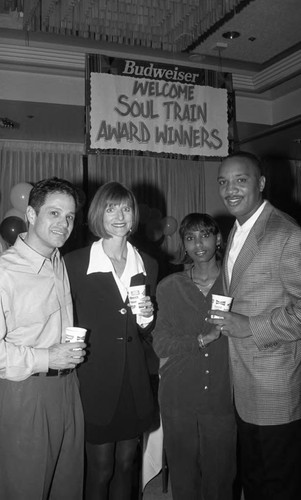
<point>41,419</point>
<point>262,272</point>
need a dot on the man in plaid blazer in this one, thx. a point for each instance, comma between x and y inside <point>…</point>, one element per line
<point>262,272</point>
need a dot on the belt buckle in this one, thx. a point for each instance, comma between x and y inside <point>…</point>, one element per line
<point>64,371</point>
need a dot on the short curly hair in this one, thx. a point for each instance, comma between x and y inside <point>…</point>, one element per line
<point>45,187</point>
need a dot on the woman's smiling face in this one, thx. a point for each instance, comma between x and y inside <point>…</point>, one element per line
<point>118,219</point>
<point>200,244</point>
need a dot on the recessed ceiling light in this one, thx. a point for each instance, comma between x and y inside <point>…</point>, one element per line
<point>230,35</point>
<point>196,57</point>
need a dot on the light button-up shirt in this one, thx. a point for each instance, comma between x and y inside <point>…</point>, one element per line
<point>35,309</point>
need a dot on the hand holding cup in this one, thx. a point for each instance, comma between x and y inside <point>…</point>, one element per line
<point>220,303</point>
<point>75,334</point>
<point>146,308</point>
<point>136,296</point>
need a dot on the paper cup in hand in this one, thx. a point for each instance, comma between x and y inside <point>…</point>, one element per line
<point>75,334</point>
<point>136,293</point>
<point>220,303</point>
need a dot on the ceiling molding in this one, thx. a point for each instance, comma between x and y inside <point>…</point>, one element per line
<point>270,77</point>
<point>57,61</point>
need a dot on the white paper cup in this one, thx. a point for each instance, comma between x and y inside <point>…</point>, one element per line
<point>221,303</point>
<point>136,293</point>
<point>75,334</point>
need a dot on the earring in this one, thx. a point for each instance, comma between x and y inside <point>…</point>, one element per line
<point>218,246</point>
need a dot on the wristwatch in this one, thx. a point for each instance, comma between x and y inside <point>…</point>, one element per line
<point>202,344</point>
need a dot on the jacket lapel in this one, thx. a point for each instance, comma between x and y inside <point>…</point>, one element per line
<point>245,257</point>
<point>225,267</point>
<point>250,248</point>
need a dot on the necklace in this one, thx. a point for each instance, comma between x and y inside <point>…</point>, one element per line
<point>203,287</point>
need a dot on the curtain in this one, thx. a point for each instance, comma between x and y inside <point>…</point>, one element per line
<point>167,187</point>
<point>31,162</point>
<point>164,187</point>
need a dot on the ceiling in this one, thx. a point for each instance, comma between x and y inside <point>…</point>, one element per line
<point>269,29</point>
<point>266,57</point>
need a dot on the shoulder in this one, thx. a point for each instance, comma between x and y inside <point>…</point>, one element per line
<point>80,255</point>
<point>283,223</point>
<point>150,264</point>
<point>273,223</point>
<point>77,262</point>
<point>149,261</point>
<point>12,260</point>
<point>172,280</point>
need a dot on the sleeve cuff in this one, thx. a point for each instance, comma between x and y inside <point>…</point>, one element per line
<point>41,363</point>
<point>143,322</point>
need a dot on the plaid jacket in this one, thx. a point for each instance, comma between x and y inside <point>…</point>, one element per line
<point>266,287</point>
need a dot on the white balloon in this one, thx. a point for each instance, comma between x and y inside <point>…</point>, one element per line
<point>19,196</point>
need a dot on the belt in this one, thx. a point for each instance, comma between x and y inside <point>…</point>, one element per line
<point>53,373</point>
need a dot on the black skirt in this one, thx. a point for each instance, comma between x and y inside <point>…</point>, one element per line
<point>125,423</point>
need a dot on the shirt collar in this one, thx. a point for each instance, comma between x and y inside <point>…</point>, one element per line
<point>35,259</point>
<point>100,263</point>
<point>246,226</point>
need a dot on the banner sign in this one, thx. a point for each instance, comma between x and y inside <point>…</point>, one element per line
<point>157,108</point>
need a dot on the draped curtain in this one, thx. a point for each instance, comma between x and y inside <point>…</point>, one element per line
<point>31,162</point>
<point>167,186</point>
<point>174,187</point>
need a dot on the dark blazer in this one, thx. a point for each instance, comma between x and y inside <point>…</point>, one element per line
<point>266,286</point>
<point>113,337</point>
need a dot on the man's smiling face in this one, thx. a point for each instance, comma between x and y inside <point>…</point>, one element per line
<point>51,226</point>
<point>240,187</point>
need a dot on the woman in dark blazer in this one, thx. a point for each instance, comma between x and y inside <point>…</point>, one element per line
<point>194,391</point>
<point>114,381</point>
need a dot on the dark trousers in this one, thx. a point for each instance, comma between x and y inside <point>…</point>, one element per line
<point>270,460</point>
<point>41,439</point>
<point>200,452</point>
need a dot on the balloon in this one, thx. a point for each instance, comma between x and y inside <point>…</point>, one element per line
<point>13,212</point>
<point>144,213</point>
<point>19,196</point>
<point>153,230</point>
<point>11,227</point>
<point>169,225</point>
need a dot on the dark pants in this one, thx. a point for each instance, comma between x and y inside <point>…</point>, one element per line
<point>270,460</point>
<point>201,456</point>
<point>41,439</point>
